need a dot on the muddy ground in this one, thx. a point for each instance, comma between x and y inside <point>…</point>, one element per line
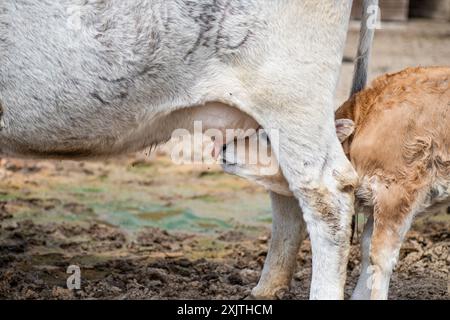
<point>140,227</point>
<point>121,243</point>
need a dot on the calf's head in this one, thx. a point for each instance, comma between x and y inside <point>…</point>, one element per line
<point>253,158</point>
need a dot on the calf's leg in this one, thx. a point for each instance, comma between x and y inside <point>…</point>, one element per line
<point>362,290</point>
<point>393,215</point>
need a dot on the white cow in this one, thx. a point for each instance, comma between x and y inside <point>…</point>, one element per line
<point>95,78</point>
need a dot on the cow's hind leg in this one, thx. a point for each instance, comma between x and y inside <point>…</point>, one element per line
<point>288,231</point>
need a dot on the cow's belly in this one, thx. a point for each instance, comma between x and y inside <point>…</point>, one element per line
<point>136,132</point>
<point>77,93</point>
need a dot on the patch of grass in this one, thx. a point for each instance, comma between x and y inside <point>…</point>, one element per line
<point>6,196</point>
<point>160,215</point>
<point>89,190</point>
<point>207,198</point>
<point>211,174</point>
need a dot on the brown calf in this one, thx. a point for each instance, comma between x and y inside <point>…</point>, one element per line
<point>397,135</point>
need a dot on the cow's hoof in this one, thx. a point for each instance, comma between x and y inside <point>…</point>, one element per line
<point>252,297</point>
<point>278,295</point>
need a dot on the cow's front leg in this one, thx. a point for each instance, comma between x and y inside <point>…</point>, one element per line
<point>290,88</point>
<point>288,231</point>
<point>324,184</point>
<point>322,178</point>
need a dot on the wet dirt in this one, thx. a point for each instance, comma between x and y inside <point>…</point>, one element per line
<point>41,235</point>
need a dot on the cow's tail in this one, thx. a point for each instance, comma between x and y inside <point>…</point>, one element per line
<point>361,73</point>
<point>360,76</point>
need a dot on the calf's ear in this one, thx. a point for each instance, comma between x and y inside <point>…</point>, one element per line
<point>344,128</point>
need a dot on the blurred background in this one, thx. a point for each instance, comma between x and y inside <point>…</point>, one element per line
<point>141,227</point>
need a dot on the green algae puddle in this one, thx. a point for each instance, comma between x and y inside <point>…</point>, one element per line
<point>154,215</point>
<point>131,198</point>
<point>153,194</point>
